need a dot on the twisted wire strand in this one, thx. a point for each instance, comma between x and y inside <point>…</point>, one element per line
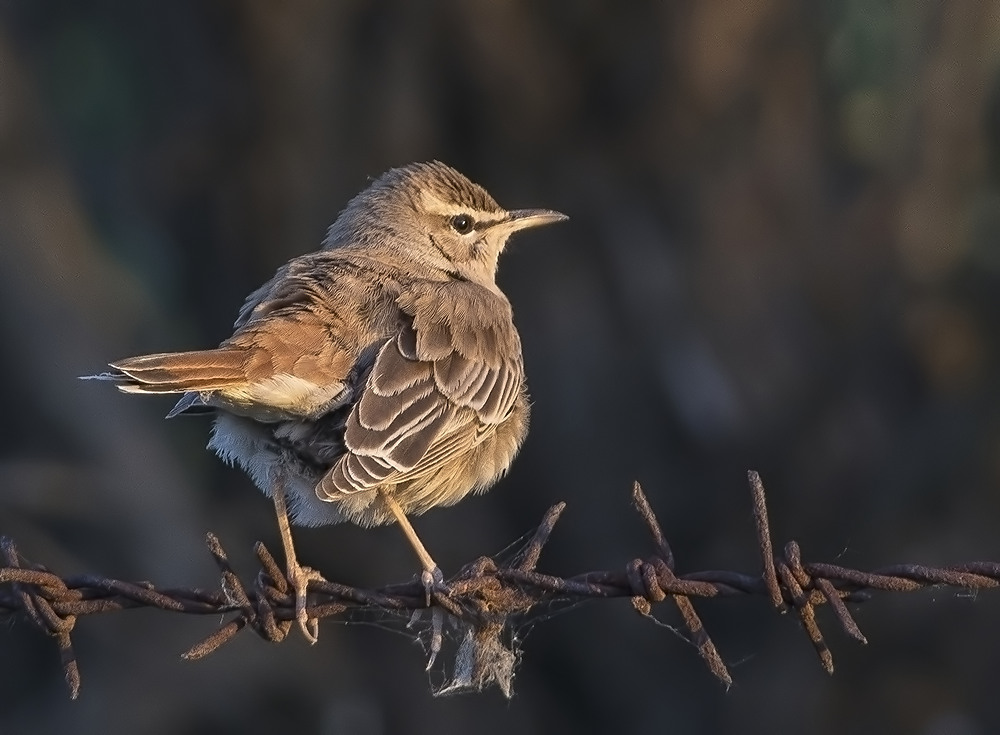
<point>482,596</point>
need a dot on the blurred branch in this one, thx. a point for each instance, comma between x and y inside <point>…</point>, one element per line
<point>482,600</point>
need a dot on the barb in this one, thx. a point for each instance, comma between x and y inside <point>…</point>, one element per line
<point>483,600</point>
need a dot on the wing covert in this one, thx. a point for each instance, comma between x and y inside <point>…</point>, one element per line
<point>438,388</point>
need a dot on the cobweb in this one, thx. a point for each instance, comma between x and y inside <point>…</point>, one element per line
<point>468,656</point>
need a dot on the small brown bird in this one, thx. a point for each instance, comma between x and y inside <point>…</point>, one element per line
<point>376,378</point>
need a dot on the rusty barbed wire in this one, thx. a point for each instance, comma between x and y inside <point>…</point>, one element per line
<point>482,599</point>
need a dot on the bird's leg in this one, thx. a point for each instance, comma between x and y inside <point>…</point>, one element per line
<point>298,575</point>
<point>431,576</point>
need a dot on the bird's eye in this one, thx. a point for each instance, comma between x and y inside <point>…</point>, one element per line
<point>463,224</point>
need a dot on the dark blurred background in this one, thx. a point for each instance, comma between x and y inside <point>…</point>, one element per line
<point>784,254</point>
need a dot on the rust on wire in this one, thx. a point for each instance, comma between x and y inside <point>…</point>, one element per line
<point>482,601</point>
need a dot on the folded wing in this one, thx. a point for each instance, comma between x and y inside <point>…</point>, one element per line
<point>451,375</point>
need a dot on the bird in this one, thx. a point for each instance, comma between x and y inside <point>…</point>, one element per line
<point>375,378</point>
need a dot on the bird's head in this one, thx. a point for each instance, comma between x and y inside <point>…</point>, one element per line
<point>434,214</point>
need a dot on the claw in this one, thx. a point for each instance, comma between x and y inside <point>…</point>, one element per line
<point>437,632</point>
<point>300,577</point>
<point>437,636</point>
<point>433,581</point>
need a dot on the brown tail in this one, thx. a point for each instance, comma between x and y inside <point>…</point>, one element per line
<point>178,372</point>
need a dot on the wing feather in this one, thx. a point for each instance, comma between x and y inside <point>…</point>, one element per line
<point>436,389</point>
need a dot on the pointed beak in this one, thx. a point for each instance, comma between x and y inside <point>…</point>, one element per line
<point>522,219</point>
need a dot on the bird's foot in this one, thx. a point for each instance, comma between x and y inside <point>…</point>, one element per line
<point>437,632</point>
<point>300,577</point>
<point>433,581</point>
